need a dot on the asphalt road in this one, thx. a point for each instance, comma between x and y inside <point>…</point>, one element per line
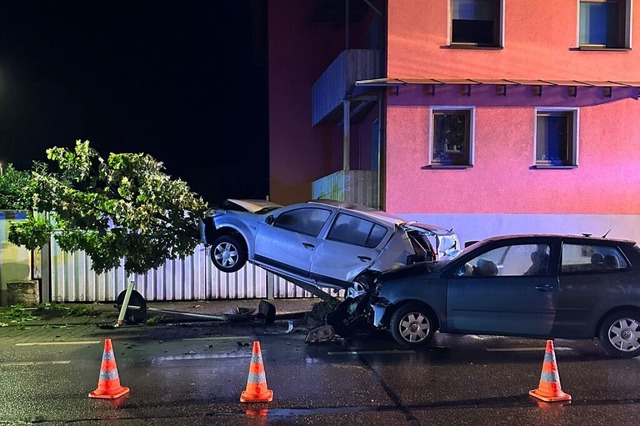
<point>194,375</point>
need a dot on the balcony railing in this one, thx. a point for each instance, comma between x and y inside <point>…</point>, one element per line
<point>337,83</point>
<point>356,186</point>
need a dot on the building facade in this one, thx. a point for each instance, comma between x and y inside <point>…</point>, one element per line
<point>488,116</point>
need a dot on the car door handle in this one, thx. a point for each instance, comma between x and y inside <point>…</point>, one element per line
<point>364,258</point>
<point>544,287</point>
<point>308,245</point>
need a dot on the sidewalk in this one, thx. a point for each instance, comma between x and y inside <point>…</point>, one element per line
<point>172,312</point>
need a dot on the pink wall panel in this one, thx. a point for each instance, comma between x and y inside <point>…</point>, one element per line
<point>540,42</point>
<point>502,180</point>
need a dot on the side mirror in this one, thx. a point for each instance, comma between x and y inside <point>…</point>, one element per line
<point>270,219</point>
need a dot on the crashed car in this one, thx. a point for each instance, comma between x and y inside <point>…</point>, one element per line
<point>541,286</point>
<point>320,243</point>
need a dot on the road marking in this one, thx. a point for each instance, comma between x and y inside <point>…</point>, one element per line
<point>219,338</point>
<point>541,349</point>
<point>159,360</point>
<point>390,352</point>
<point>32,363</point>
<point>86,342</point>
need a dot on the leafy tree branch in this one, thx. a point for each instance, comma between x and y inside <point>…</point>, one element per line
<point>124,207</point>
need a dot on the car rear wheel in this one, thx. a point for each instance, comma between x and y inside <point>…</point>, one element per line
<point>620,334</point>
<point>228,253</point>
<point>412,325</point>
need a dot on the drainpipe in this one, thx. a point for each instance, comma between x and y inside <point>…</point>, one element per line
<point>346,133</point>
<point>346,106</point>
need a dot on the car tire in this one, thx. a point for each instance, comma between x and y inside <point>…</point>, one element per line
<point>620,334</point>
<point>228,253</point>
<point>412,325</point>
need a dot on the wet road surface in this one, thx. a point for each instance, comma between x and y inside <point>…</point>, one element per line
<point>194,375</point>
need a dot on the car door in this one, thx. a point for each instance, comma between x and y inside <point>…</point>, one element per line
<point>591,279</point>
<point>510,289</point>
<point>350,247</point>
<point>290,241</point>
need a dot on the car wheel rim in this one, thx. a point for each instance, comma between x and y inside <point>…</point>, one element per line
<point>414,327</point>
<point>226,255</point>
<point>624,335</point>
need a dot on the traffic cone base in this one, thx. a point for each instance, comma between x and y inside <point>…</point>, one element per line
<point>109,382</point>
<point>549,389</point>
<point>110,394</point>
<point>256,390</point>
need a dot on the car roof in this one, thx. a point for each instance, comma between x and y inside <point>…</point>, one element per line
<point>367,211</point>
<point>380,215</point>
<point>585,238</point>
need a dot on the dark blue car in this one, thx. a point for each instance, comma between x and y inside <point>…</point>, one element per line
<point>545,286</point>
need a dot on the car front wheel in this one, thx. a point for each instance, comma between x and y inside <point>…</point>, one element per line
<point>228,253</point>
<point>412,325</point>
<point>620,334</point>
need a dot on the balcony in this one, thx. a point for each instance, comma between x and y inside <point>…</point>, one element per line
<point>337,84</point>
<point>356,186</point>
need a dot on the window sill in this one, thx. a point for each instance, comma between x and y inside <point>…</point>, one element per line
<point>550,166</point>
<point>600,49</point>
<point>471,46</point>
<point>445,166</point>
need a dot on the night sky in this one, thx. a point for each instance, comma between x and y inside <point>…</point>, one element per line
<point>183,81</point>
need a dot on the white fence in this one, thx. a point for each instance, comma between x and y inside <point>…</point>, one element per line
<point>191,278</point>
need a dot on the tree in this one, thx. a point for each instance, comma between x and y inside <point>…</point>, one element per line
<point>124,207</point>
<point>15,189</point>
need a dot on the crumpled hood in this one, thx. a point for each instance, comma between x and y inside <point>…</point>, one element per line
<point>251,206</point>
<point>420,268</point>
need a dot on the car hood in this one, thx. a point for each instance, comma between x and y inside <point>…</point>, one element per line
<point>445,241</point>
<point>419,268</point>
<point>252,206</point>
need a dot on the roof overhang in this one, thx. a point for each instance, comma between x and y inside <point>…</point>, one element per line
<point>394,82</point>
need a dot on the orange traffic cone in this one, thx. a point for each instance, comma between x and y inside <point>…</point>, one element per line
<point>109,382</point>
<point>256,390</point>
<point>549,389</point>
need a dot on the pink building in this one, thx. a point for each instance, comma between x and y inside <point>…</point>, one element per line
<point>488,116</point>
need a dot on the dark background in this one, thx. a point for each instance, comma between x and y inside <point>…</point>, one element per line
<point>183,81</point>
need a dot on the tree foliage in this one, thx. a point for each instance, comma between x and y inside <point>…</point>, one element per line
<point>15,189</point>
<point>124,207</point>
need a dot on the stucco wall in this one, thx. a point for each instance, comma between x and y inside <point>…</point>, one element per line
<point>502,192</point>
<point>15,262</point>
<point>540,42</point>
<point>298,55</point>
<point>502,180</point>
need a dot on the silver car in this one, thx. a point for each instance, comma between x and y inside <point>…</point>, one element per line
<point>320,243</point>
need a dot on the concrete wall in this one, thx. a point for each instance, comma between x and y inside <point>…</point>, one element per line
<point>15,262</point>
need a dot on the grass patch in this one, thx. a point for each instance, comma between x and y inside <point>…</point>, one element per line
<point>56,310</point>
<point>16,315</point>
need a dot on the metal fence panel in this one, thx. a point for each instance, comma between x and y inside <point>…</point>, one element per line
<point>191,278</point>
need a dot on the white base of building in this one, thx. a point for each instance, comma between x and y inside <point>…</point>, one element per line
<point>474,227</point>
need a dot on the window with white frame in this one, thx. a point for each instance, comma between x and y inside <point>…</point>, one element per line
<point>605,24</point>
<point>476,22</point>
<point>451,136</point>
<point>556,137</point>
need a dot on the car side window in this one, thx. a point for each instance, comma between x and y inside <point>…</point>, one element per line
<point>354,230</point>
<point>591,258</point>
<point>514,260</point>
<point>308,221</point>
